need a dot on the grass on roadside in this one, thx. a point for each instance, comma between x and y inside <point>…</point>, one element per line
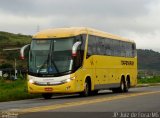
<point>149,80</point>
<point>14,90</point>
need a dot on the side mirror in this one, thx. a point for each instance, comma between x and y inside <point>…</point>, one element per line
<point>74,48</point>
<point>22,51</point>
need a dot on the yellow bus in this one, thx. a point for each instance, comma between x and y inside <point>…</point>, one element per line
<point>80,60</point>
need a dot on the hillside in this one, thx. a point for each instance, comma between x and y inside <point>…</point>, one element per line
<point>147,59</point>
<point>10,40</point>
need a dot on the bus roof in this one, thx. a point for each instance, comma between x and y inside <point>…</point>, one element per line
<point>74,31</point>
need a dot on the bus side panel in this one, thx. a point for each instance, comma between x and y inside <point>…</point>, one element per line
<point>108,70</point>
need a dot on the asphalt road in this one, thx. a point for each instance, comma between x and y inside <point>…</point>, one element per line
<point>136,103</point>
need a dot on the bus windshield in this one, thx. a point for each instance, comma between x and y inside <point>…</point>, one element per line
<point>51,56</point>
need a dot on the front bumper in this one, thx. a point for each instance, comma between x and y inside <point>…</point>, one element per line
<point>69,87</point>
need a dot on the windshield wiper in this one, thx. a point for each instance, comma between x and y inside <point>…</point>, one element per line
<point>48,66</point>
<point>60,73</point>
<point>55,66</point>
<point>68,71</point>
<point>43,65</point>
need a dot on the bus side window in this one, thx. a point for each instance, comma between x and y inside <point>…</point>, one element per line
<point>91,46</point>
<point>90,50</point>
<point>133,50</point>
<point>127,49</point>
<point>107,47</point>
<point>130,50</point>
<point>94,45</point>
<point>115,47</point>
<point>102,46</point>
<point>98,47</point>
<point>78,60</point>
<point>123,52</point>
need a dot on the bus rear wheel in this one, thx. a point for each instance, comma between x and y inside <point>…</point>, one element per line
<point>120,89</point>
<point>122,86</point>
<point>47,95</point>
<point>127,86</point>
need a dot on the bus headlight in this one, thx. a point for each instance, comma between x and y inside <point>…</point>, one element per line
<point>68,80</point>
<point>31,81</point>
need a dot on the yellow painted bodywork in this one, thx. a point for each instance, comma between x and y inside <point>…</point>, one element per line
<point>101,69</point>
<point>109,70</point>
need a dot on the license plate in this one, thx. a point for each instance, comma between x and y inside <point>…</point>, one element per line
<point>48,89</point>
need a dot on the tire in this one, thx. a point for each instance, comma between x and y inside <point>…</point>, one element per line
<point>122,86</point>
<point>120,89</point>
<point>115,90</point>
<point>47,95</point>
<point>127,86</point>
<point>86,91</point>
<point>95,92</point>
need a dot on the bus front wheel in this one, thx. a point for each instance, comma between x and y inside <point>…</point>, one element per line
<point>86,90</point>
<point>47,95</point>
<point>94,92</point>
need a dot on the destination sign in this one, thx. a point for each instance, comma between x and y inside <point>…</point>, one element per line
<point>127,63</point>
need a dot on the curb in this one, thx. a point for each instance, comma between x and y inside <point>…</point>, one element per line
<point>149,84</point>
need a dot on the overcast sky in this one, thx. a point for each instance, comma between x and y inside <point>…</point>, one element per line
<point>138,20</point>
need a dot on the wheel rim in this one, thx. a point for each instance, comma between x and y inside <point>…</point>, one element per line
<point>122,86</point>
<point>127,85</point>
<point>86,89</point>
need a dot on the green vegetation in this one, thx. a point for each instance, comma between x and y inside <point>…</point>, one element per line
<point>148,60</point>
<point>16,39</point>
<point>6,65</point>
<point>149,80</point>
<point>14,90</point>
<point>10,40</point>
